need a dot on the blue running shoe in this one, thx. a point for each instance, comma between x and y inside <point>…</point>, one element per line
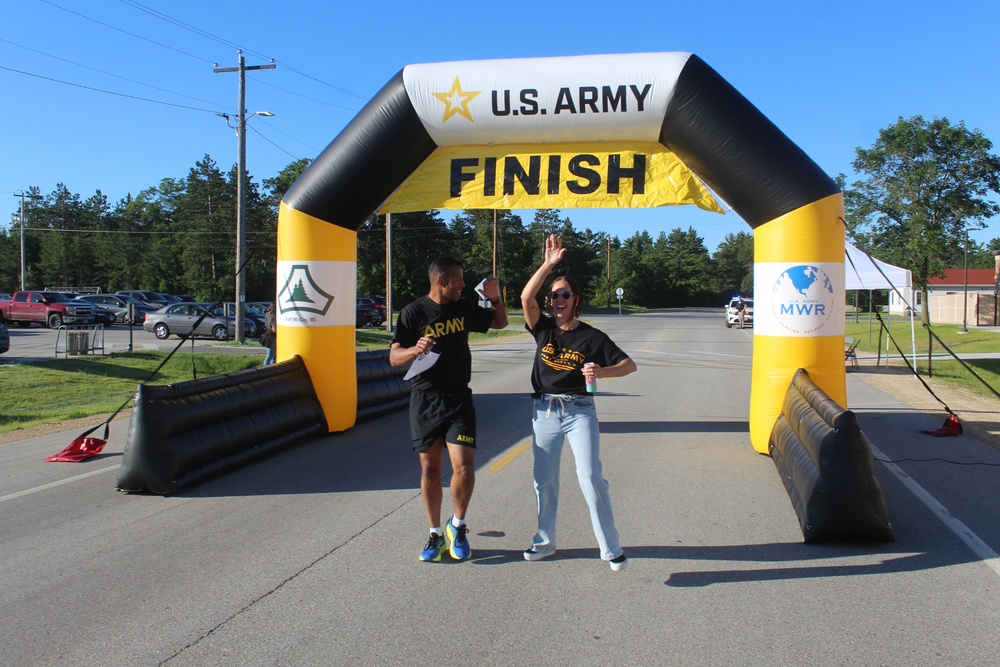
<point>458,541</point>
<point>434,549</point>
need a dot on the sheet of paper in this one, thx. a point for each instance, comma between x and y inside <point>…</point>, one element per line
<point>481,290</point>
<point>422,363</point>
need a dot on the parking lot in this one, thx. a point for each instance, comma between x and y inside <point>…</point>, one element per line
<point>36,343</point>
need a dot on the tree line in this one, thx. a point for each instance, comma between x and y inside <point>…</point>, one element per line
<point>179,237</point>
<point>922,186</point>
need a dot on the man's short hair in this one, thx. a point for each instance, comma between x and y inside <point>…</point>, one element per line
<point>439,268</point>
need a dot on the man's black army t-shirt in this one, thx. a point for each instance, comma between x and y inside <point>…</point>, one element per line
<point>449,325</point>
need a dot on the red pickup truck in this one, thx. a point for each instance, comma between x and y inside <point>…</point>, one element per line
<point>52,309</point>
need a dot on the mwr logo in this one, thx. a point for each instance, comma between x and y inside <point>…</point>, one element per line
<point>802,299</point>
<point>300,293</point>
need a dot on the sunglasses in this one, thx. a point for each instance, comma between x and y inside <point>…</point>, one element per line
<point>565,294</point>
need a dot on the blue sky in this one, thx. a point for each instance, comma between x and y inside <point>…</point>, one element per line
<point>829,75</point>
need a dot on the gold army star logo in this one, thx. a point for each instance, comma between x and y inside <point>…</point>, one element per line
<point>456,101</point>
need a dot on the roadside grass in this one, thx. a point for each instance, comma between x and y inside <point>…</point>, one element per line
<point>54,390</point>
<point>954,372</point>
<point>975,341</point>
<point>43,392</point>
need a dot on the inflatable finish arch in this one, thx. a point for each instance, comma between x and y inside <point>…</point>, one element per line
<point>587,131</point>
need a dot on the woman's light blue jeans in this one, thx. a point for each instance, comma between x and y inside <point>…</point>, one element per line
<point>559,417</point>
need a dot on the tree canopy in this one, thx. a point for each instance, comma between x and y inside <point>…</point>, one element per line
<point>179,237</point>
<point>923,185</point>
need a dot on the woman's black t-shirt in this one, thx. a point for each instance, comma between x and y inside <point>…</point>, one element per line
<point>449,325</point>
<point>560,356</point>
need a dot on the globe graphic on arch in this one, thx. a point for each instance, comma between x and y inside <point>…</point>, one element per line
<point>802,298</point>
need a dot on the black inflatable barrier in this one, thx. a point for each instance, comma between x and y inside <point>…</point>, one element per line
<point>825,462</point>
<point>381,387</point>
<point>182,433</point>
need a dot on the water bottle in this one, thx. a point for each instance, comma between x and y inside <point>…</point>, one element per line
<point>590,380</point>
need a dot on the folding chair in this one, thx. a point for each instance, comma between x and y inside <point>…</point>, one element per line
<point>850,353</point>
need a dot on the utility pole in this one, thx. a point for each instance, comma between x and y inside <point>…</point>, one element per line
<point>965,297</point>
<point>241,194</point>
<point>494,243</point>
<point>609,272</point>
<point>388,272</point>
<point>22,196</point>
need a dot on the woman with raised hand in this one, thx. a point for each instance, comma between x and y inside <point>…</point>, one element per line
<point>570,357</point>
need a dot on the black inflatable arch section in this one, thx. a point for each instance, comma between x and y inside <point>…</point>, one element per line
<point>714,129</point>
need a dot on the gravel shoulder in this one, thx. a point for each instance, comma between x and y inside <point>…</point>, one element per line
<point>978,414</point>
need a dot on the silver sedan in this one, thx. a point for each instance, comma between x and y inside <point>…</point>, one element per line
<point>180,319</point>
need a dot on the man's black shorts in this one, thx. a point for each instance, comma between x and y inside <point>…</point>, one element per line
<point>442,414</point>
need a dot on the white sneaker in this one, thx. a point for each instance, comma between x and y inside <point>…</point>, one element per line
<point>619,564</point>
<point>532,555</point>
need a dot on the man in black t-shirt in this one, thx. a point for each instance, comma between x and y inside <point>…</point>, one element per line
<point>442,413</point>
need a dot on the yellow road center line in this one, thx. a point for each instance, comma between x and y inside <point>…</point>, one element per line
<point>512,454</point>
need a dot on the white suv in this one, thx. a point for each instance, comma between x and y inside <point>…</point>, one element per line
<point>733,315</point>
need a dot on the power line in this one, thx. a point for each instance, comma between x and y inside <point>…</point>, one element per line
<point>272,128</point>
<point>94,69</point>
<point>126,32</point>
<point>106,92</point>
<point>186,26</point>
<point>305,97</point>
<point>293,156</point>
<point>198,31</point>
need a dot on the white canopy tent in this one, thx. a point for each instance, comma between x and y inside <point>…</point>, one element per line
<point>861,271</point>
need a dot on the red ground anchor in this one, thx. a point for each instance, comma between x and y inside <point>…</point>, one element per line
<point>82,447</point>
<point>950,427</point>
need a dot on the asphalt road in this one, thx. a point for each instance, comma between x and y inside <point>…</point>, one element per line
<point>310,556</point>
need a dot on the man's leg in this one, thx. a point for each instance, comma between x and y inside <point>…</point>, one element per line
<point>463,478</point>
<point>430,481</point>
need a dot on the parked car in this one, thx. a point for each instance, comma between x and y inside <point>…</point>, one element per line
<point>4,338</point>
<point>153,299</point>
<point>259,307</point>
<point>51,309</point>
<point>733,314</point>
<point>179,319</point>
<point>253,320</point>
<point>379,303</point>
<point>103,316</point>
<point>367,313</point>
<point>119,305</point>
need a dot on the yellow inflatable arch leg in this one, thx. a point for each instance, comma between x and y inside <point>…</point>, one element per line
<point>315,308</point>
<point>795,325</point>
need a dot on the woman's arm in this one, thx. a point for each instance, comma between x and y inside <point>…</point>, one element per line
<point>621,369</point>
<point>554,253</point>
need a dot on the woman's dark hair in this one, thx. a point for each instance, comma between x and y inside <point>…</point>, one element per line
<point>574,287</point>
